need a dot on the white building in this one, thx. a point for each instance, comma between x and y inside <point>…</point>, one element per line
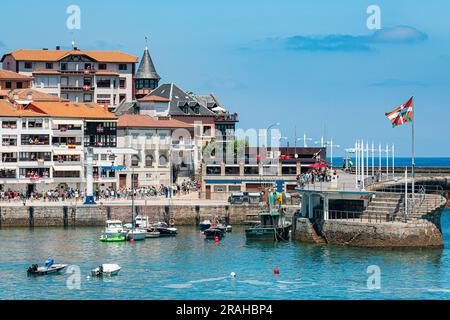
<point>43,145</point>
<point>165,150</point>
<point>104,77</point>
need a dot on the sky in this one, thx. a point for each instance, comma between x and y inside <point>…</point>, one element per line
<point>313,66</point>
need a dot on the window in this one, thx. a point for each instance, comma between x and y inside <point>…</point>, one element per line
<point>63,66</point>
<point>87,66</point>
<point>134,161</point>
<point>122,97</point>
<point>19,85</point>
<point>8,85</point>
<point>103,99</point>
<point>123,67</point>
<point>49,65</point>
<point>9,157</point>
<point>28,65</point>
<point>251,170</point>
<point>220,188</point>
<point>163,160</point>
<point>102,66</point>
<point>123,83</point>
<point>103,83</point>
<point>9,124</point>
<point>87,97</point>
<point>234,188</point>
<point>149,160</point>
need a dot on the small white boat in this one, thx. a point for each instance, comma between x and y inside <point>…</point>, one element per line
<point>106,269</point>
<point>136,234</point>
<point>229,228</point>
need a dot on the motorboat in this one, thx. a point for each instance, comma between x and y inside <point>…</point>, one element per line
<point>49,268</point>
<point>113,227</point>
<point>213,233</point>
<point>229,228</point>
<point>136,234</point>
<point>152,233</point>
<point>165,230</point>
<point>106,270</point>
<point>272,227</point>
<point>205,224</point>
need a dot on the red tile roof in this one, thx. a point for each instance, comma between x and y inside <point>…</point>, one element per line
<point>31,94</point>
<point>56,55</point>
<point>89,110</point>
<point>9,75</point>
<point>145,121</point>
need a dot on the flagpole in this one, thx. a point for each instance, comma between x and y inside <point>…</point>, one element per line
<point>413,158</point>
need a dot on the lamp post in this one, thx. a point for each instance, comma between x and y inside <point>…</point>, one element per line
<point>331,145</point>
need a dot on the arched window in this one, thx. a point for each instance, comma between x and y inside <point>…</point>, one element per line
<point>149,160</point>
<point>163,160</point>
<point>135,161</point>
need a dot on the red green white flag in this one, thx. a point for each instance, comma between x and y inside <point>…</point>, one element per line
<point>401,114</point>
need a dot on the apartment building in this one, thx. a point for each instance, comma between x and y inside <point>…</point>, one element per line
<point>103,77</point>
<point>43,145</point>
<point>165,150</point>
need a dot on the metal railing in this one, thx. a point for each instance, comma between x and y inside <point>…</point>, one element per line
<point>356,216</point>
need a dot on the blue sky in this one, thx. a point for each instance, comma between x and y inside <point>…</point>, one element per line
<point>313,65</point>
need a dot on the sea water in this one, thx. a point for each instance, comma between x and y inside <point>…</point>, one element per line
<point>188,267</point>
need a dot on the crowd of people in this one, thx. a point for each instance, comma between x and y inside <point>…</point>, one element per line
<point>315,176</point>
<point>76,195</point>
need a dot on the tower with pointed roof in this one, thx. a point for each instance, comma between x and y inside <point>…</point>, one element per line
<point>146,78</point>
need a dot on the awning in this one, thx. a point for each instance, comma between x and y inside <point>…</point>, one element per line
<point>68,121</point>
<point>57,152</point>
<point>67,168</point>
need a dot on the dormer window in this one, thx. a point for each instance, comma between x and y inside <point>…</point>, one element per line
<point>197,110</point>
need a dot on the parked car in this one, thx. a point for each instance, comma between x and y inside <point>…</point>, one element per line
<point>245,197</point>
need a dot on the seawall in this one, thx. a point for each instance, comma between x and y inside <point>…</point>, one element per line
<point>81,216</point>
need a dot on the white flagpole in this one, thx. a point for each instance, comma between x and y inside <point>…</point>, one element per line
<point>373,162</point>
<point>362,163</point>
<point>356,165</point>
<point>413,158</point>
<point>367,160</point>
<point>393,161</point>
<point>387,161</point>
<point>379,161</point>
<point>406,191</point>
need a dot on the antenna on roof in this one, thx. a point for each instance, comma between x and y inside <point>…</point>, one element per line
<point>146,43</point>
<point>74,46</point>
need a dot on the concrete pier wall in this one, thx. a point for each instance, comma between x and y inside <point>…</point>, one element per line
<point>71,216</point>
<point>419,233</point>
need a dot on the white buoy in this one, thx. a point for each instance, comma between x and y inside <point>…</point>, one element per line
<point>233,275</point>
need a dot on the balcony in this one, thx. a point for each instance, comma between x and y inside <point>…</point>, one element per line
<point>68,88</point>
<point>227,118</point>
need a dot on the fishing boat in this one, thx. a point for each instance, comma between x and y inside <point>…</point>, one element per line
<point>212,233</point>
<point>49,268</point>
<point>106,270</point>
<point>272,227</point>
<point>205,224</point>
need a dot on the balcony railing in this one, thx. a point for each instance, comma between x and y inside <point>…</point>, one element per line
<point>77,88</point>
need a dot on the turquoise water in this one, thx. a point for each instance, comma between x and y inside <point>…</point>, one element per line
<point>188,267</point>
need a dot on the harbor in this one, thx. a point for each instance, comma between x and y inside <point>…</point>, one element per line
<point>152,269</point>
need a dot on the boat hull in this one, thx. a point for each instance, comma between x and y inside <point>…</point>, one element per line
<point>167,232</point>
<point>112,237</point>
<point>42,271</point>
<point>268,234</point>
<point>204,226</point>
<point>136,236</point>
<point>211,234</point>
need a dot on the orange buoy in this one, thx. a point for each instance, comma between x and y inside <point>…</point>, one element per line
<point>276,271</point>
<point>132,240</point>
<point>216,239</point>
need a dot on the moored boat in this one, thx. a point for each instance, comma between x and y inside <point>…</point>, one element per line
<point>136,234</point>
<point>272,227</point>
<point>205,224</point>
<point>213,233</point>
<point>118,237</point>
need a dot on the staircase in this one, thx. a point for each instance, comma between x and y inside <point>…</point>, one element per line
<point>390,206</point>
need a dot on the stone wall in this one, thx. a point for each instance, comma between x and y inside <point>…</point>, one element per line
<point>71,216</point>
<point>420,233</point>
<point>304,232</point>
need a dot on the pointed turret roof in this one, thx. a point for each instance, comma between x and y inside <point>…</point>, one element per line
<point>147,69</point>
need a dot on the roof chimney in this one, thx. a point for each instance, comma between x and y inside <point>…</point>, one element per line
<point>45,49</point>
<point>58,48</point>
